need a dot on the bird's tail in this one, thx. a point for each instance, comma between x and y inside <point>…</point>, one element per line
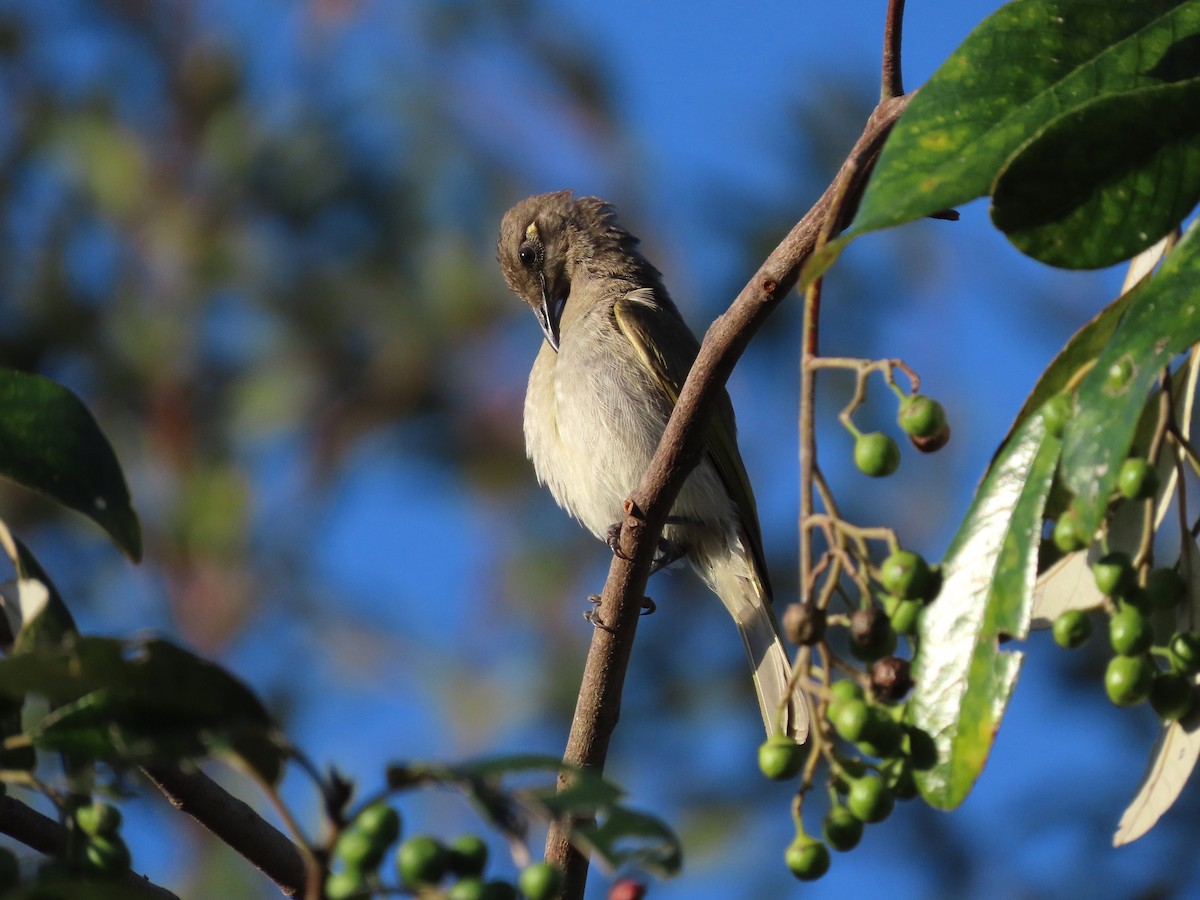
<point>742,593</point>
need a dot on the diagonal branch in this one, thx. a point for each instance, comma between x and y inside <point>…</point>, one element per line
<point>682,445</point>
<point>41,833</point>
<point>234,822</point>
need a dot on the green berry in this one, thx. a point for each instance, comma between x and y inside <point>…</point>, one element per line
<point>1068,533</point>
<point>348,883</point>
<point>1113,573</point>
<point>1129,632</point>
<point>1165,588</point>
<point>921,416</point>
<point>881,736</point>
<point>1137,479</point>
<point>904,615</point>
<point>98,819</point>
<point>421,860</point>
<point>842,829</point>
<point>380,821</point>
<point>780,758</point>
<point>876,454</point>
<point>850,719</point>
<point>906,575</point>
<point>467,855</point>
<point>466,889</point>
<point>358,850</point>
<point>846,689</point>
<point>541,881</point>
<point>1172,695</point>
<point>106,855</point>
<point>807,859</point>
<point>1184,652</point>
<point>1127,679</point>
<point>870,799</point>
<point>1072,629</point>
<point>1056,412</point>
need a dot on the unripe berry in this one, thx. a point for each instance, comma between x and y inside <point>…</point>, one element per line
<point>1129,632</point>
<point>1072,628</point>
<point>344,884</point>
<point>1172,695</point>
<point>1068,533</point>
<point>808,859</point>
<point>870,799</point>
<point>1137,479</point>
<point>1184,652</point>
<point>921,416</point>
<point>1127,679</point>
<point>876,454</point>
<point>467,856</point>
<point>421,860</point>
<point>1113,573</point>
<point>842,829</point>
<point>780,758</point>
<point>540,881</point>
<point>98,819</point>
<point>906,575</point>
<point>850,719</point>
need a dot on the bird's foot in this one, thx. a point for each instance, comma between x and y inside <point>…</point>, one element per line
<point>613,539</point>
<point>593,614</point>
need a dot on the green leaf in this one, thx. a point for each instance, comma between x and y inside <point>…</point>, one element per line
<point>1162,319</point>
<point>1026,65</point>
<point>142,701</point>
<point>50,443</point>
<point>1106,180</point>
<point>963,680</point>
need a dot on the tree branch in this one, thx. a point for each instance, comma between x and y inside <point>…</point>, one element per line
<point>44,834</point>
<point>235,823</point>
<point>598,707</point>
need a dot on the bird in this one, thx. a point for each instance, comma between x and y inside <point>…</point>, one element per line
<point>613,359</point>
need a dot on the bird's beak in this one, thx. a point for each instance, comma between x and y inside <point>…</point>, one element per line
<point>549,313</point>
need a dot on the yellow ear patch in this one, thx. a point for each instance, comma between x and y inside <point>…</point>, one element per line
<point>531,233</point>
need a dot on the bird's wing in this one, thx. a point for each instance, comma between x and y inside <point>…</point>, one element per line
<point>667,348</point>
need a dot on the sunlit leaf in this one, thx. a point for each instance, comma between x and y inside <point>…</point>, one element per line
<point>963,679</point>
<point>50,443</point>
<point>1027,64</point>
<point>1162,319</point>
<point>1105,180</point>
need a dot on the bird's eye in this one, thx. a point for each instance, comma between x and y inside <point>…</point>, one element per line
<point>527,254</point>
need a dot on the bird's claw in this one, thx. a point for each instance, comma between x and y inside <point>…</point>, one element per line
<point>613,539</point>
<point>593,615</point>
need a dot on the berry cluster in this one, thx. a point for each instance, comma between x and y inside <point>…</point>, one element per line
<point>848,662</point>
<point>423,862</point>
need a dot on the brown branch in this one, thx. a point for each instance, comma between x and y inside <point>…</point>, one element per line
<point>599,703</point>
<point>893,80</point>
<point>235,823</point>
<point>44,834</point>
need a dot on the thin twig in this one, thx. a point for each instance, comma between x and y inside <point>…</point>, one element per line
<point>893,80</point>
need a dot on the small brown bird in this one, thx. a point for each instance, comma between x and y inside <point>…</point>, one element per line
<point>615,356</point>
